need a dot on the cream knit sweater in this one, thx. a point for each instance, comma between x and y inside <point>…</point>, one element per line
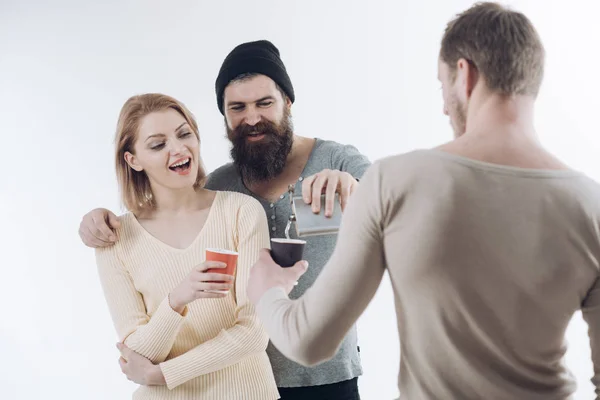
<point>216,350</point>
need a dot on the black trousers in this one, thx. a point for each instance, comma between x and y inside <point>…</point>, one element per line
<point>346,390</point>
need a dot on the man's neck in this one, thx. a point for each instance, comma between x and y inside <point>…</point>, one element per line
<point>294,165</point>
<point>301,147</point>
<point>500,130</point>
<point>502,118</point>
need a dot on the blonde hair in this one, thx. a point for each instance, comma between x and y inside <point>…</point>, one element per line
<point>134,186</point>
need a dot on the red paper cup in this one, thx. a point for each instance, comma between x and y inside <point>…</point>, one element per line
<point>225,256</point>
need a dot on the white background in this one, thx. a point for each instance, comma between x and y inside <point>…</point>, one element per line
<point>364,73</point>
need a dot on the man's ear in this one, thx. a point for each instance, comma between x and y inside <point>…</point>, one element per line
<point>468,76</point>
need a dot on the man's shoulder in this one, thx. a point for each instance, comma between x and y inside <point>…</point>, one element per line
<point>412,158</point>
<point>332,150</point>
<point>335,155</point>
<point>223,178</point>
<point>413,166</point>
<point>330,146</point>
<point>228,169</point>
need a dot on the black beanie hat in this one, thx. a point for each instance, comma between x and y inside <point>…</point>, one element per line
<point>260,57</point>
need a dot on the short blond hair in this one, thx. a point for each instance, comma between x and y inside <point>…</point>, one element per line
<point>502,44</point>
<point>134,186</point>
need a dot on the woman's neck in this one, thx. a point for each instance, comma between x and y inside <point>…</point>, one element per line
<point>171,202</point>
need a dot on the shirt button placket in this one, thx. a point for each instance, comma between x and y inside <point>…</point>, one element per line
<point>272,206</point>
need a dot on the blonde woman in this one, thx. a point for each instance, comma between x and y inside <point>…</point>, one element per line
<point>181,339</point>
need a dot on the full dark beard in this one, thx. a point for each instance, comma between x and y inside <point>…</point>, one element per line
<point>264,160</point>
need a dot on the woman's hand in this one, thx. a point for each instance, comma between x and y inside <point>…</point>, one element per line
<point>201,285</point>
<point>139,369</point>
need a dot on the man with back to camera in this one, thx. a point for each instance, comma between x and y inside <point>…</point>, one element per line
<point>492,244</point>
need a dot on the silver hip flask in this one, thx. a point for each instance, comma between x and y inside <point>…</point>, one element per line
<point>308,223</point>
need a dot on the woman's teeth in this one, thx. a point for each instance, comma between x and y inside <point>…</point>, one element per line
<point>180,165</point>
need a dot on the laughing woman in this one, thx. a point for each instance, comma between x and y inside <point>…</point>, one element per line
<point>184,336</point>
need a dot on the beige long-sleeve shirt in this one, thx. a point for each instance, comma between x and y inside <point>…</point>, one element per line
<point>217,349</point>
<point>488,264</point>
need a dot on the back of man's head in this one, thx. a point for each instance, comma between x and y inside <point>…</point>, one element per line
<point>502,44</point>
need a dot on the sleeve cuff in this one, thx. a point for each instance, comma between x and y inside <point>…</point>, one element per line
<point>172,378</point>
<point>165,325</point>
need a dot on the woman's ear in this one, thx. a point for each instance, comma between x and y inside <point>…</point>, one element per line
<point>132,161</point>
